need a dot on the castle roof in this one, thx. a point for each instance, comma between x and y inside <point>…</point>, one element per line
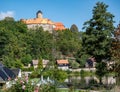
<point>59,26</point>
<point>38,21</point>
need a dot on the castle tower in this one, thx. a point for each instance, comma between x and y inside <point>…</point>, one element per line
<point>39,14</point>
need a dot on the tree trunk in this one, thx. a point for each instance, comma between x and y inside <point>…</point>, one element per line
<point>100,80</point>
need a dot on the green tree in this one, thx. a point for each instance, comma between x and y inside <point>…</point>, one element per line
<point>12,43</point>
<point>97,38</point>
<point>68,42</point>
<point>115,51</point>
<point>101,70</point>
<point>41,44</point>
<point>26,59</point>
<point>74,64</point>
<point>74,28</point>
<point>40,64</point>
<point>59,75</point>
<point>99,31</point>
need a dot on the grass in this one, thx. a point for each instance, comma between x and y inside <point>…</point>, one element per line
<point>68,90</point>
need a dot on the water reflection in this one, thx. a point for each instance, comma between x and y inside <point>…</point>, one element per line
<point>89,81</point>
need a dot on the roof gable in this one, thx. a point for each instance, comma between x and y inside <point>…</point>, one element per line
<point>35,62</point>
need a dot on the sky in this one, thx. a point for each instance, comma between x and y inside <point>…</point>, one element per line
<point>66,11</point>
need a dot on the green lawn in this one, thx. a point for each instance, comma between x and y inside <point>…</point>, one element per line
<point>68,90</point>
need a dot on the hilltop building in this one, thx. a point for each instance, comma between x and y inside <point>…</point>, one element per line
<point>45,23</point>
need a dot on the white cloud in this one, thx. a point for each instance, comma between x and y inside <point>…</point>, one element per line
<point>6,14</point>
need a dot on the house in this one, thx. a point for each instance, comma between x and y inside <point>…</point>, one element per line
<point>45,23</point>
<point>6,75</point>
<point>63,64</point>
<point>45,62</point>
<point>17,72</point>
<point>90,63</point>
<point>35,63</point>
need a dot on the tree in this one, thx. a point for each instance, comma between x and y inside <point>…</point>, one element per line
<point>68,42</point>
<point>74,28</point>
<point>101,70</point>
<point>40,44</point>
<point>115,50</point>
<point>97,38</point>
<point>40,64</point>
<point>12,43</point>
<point>26,59</point>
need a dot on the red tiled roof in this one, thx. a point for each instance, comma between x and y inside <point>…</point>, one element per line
<point>62,62</point>
<point>38,21</point>
<point>59,26</point>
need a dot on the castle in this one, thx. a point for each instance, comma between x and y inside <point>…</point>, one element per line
<point>45,23</point>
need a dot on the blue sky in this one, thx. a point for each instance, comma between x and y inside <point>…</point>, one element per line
<point>66,11</point>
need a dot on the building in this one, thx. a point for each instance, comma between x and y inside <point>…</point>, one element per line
<point>90,62</point>
<point>63,64</point>
<point>45,23</point>
<point>17,72</point>
<point>45,63</point>
<point>35,63</point>
<point>6,75</point>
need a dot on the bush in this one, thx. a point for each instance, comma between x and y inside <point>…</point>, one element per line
<point>28,69</point>
<point>22,85</point>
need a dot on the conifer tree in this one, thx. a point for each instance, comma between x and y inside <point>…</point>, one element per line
<point>99,32</point>
<point>97,38</point>
<point>74,28</point>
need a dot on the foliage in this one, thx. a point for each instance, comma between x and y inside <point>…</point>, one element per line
<point>101,70</point>
<point>82,58</point>
<point>40,64</point>
<point>17,43</point>
<point>34,74</point>
<point>99,31</point>
<point>26,59</point>
<point>56,74</point>
<point>115,50</point>
<point>74,28</point>
<point>28,69</point>
<point>11,41</point>
<point>97,38</point>
<point>41,44</point>
<point>18,64</point>
<point>68,42</point>
<point>60,75</point>
<point>74,64</point>
<point>22,85</point>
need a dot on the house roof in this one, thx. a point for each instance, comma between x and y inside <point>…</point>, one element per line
<point>16,71</point>
<point>62,62</point>
<point>34,62</point>
<point>6,73</point>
